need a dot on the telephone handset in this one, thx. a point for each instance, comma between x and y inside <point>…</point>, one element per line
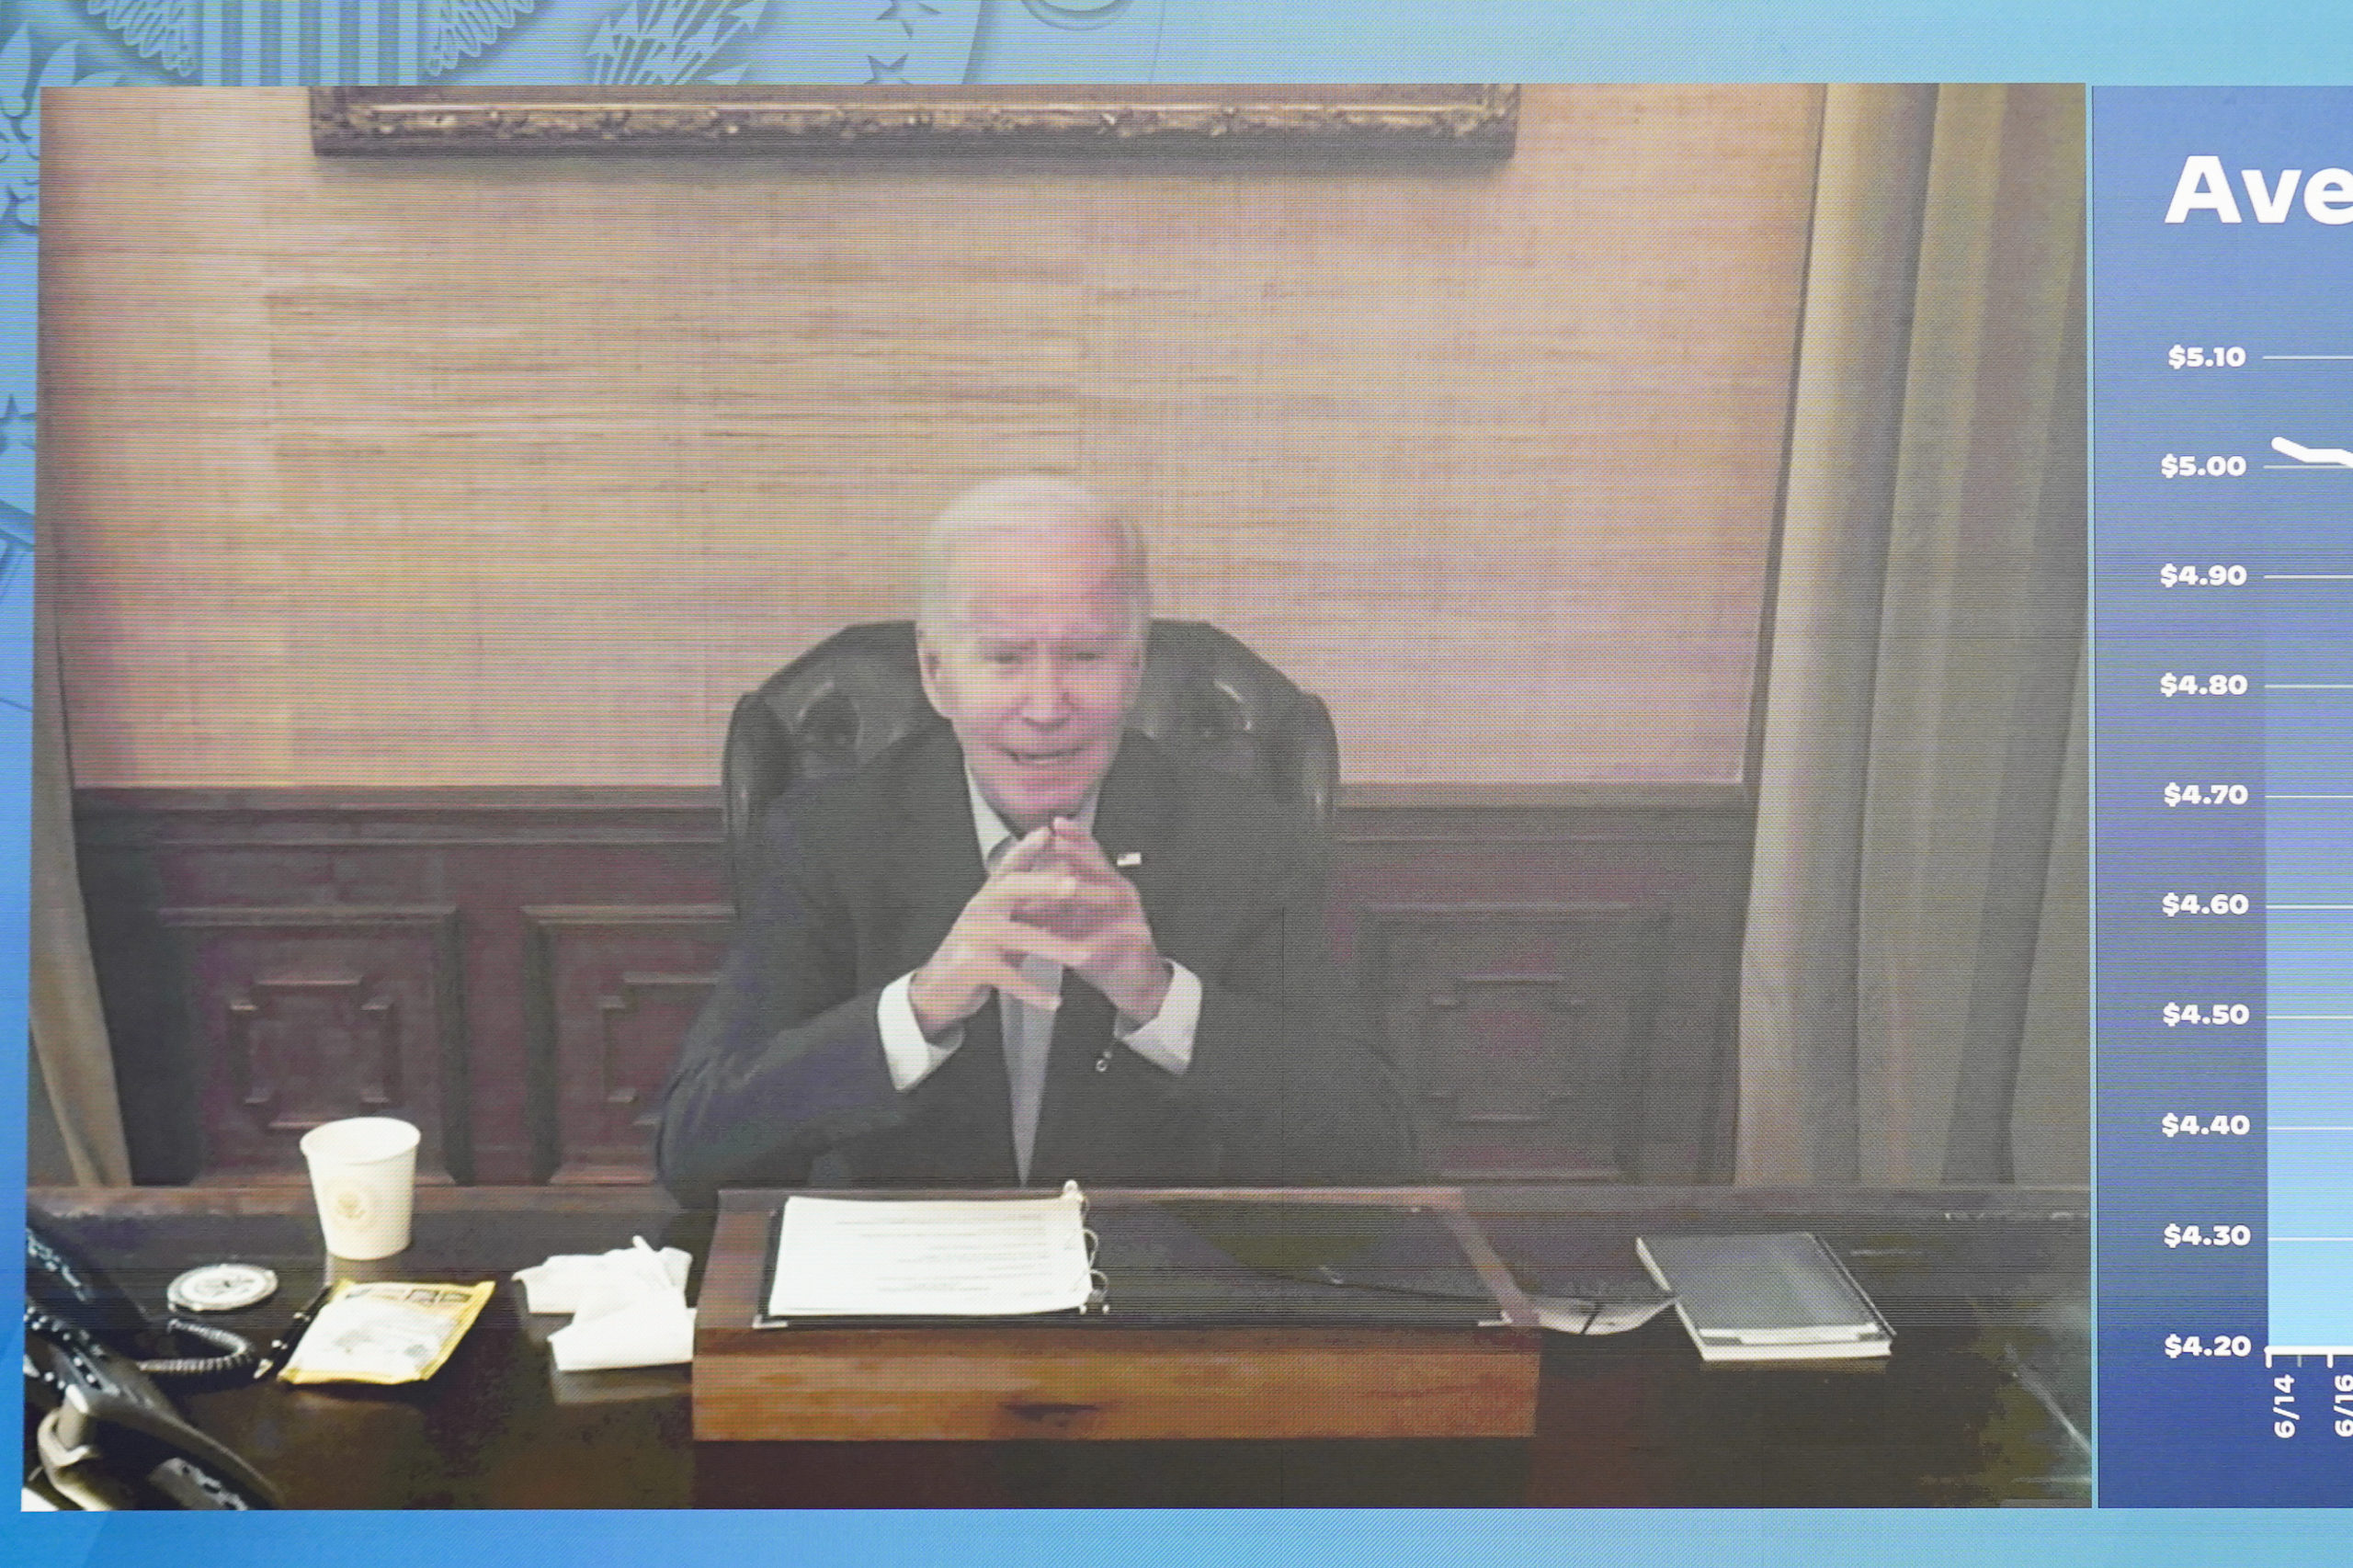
<point>99,1431</point>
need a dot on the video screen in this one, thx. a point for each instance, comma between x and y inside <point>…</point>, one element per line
<point>1540,672</point>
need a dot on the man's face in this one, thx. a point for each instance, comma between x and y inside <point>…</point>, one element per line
<point>1035,666</point>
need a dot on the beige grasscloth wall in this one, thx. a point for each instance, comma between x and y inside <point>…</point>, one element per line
<point>511,472</point>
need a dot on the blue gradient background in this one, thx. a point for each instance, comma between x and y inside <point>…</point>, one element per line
<point>2190,1431</point>
<point>55,41</point>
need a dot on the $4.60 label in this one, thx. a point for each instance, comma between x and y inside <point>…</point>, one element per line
<point>2205,903</point>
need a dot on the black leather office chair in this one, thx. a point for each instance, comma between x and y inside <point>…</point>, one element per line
<point>1205,697</point>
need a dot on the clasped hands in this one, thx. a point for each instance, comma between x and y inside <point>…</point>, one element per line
<point>1052,896</point>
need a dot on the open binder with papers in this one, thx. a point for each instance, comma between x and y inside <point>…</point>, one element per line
<point>1174,1261</point>
<point>937,1258</point>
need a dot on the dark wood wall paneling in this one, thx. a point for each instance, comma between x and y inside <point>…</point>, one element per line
<point>512,970</point>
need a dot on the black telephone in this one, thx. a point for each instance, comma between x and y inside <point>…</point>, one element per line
<point>100,1433</point>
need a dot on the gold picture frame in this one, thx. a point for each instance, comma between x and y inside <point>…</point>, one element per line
<point>1479,122</point>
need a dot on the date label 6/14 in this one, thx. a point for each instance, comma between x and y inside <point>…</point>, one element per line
<point>2287,1417</point>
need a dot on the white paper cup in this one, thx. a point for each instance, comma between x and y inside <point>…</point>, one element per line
<point>362,1172</point>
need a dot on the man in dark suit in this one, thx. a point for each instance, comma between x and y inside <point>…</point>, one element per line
<point>1028,944</point>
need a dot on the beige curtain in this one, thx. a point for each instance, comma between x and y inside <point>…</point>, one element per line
<point>74,1113</point>
<point>1912,1004</point>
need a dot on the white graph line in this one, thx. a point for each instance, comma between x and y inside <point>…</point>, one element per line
<point>2333,457</point>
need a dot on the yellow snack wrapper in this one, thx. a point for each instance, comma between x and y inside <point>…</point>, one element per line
<point>385,1331</point>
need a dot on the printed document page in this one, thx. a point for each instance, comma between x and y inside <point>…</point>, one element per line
<point>950,1257</point>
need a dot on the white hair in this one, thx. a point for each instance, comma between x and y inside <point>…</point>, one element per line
<point>1026,503</point>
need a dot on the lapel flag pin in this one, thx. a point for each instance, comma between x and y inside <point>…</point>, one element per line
<point>1129,859</point>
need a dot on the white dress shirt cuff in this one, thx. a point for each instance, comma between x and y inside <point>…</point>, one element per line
<point>1167,1042</point>
<point>912,1058</point>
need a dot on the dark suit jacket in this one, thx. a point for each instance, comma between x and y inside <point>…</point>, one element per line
<point>783,1079</point>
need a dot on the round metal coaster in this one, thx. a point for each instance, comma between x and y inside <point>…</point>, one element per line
<point>222,1288</point>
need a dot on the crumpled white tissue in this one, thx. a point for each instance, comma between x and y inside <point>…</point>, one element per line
<point>627,1306</point>
<point>564,1281</point>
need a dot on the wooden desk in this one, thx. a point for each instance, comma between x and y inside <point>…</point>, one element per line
<point>1146,1370</point>
<point>1985,1400</point>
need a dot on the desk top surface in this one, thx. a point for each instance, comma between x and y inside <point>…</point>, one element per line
<point>1985,1400</point>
